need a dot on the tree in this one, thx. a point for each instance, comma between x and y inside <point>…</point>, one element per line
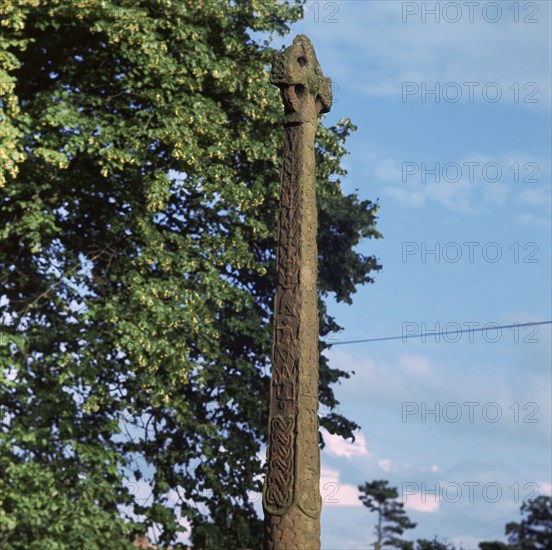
<point>533,532</point>
<point>392,521</point>
<point>140,157</point>
<point>433,544</point>
<point>496,545</point>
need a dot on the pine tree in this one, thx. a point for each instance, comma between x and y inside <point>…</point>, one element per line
<point>392,520</point>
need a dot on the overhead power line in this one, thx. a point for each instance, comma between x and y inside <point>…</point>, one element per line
<point>405,337</point>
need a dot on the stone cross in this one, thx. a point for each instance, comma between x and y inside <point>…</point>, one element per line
<point>291,492</point>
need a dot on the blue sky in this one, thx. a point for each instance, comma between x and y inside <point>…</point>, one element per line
<point>488,218</point>
<point>461,425</point>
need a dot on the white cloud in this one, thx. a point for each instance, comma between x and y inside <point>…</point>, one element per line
<point>404,389</point>
<point>417,187</point>
<point>415,363</point>
<point>394,51</point>
<point>385,464</point>
<point>388,169</point>
<point>412,198</point>
<point>421,502</point>
<point>465,185</point>
<point>533,220</point>
<point>335,492</point>
<point>536,196</point>
<point>337,446</point>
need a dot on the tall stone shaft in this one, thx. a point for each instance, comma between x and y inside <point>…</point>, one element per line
<point>291,493</point>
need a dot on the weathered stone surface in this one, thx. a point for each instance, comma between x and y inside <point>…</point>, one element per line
<point>291,494</point>
<point>292,531</point>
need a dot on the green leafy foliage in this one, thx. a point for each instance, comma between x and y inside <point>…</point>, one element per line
<point>140,152</point>
<point>534,531</point>
<point>496,545</point>
<point>433,544</point>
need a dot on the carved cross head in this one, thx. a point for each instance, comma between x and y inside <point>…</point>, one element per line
<point>305,91</point>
